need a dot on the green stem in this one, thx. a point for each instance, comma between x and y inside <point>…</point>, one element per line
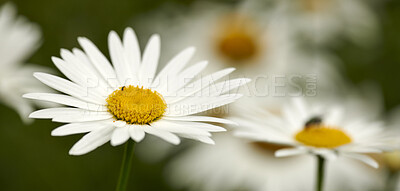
<point>320,173</point>
<point>391,181</point>
<point>126,166</point>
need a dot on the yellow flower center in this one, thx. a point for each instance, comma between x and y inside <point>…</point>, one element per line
<point>318,135</point>
<point>136,105</point>
<point>237,39</point>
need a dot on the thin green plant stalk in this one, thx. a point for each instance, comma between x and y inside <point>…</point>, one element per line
<point>126,166</point>
<point>320,173</point>
<point>391,181</point>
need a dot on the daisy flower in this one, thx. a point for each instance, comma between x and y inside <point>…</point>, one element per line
<point>324,21</point>
<point>126,99</point>
<point>239,36</point>
<point>251,165</point>
<point>391,160</point>
<point>327,130</point>
<point>19,39</point>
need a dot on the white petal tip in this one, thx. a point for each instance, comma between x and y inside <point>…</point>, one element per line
<point>174,142</point>
<point>82,40</point>
<point>234,123</point>
<point>26,96</point>
<point>55,134</point>
<point>74,153</point>
<point>114,143</point>
<point>211,142</point>
<point>231,69</point>
<point>33,115</point>
<point>129,29</point>
<point>63,50</point>
<point>137,140</point>
<point>277,154</point>
<point>155,36</point>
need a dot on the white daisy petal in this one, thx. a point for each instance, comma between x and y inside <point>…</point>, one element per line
<point>91,141</point>
<point>77,128</point>
<point>202,126</point>
<point>223,87</point>
<point>119,123</point>
<point>132,50</point>
<point>290,152</point>
<point>71,73</point>
<point>122,68</point>
<point>201,83</point>
<point>83,63</point>
<point>363,158</point>
<point>167,136</point>
<point>80,71</point>
<point>359,149</point>
<point>192,105</point>
<point>120,135</point>
<point>100,62</point>
<point>176,127</point>
<point>174,66</point>
<point>149,63</point>
<point>203,139</point>
<point>136,132</point>
<point>82,116</point>
<point>272,137</point>
<point>53,112</point>
<point>65,100</point>
<point>174,83</point>
<point>70,88</point>
<point>201,118</point>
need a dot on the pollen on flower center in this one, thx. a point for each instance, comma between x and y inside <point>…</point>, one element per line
<point>136,105</point>
<point>237,46</point>
<point>318,135</point>
<point>236,39</point>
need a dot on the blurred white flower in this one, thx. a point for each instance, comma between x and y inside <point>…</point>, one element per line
<point>391,160</point>
<point>321,128</point>
<point>237,164</point>
<point>18,40</point>
<point>126,99</point>
<point>229,36</point>
<point>324,21</point>
<point>259,42</point>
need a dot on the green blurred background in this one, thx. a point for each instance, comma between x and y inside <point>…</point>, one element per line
<point>31,159</point>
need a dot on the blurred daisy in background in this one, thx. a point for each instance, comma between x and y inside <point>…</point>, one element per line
<point>228,35</point>
<point>19,39</point>
<point>255,38</point>
<point>328,130</point>
<point>324,21</point>
<point>127,99</point>
<point>390,161</point>
<point>237,164</point>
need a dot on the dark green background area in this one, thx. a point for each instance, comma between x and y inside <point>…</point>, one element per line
<point>31,159</point>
